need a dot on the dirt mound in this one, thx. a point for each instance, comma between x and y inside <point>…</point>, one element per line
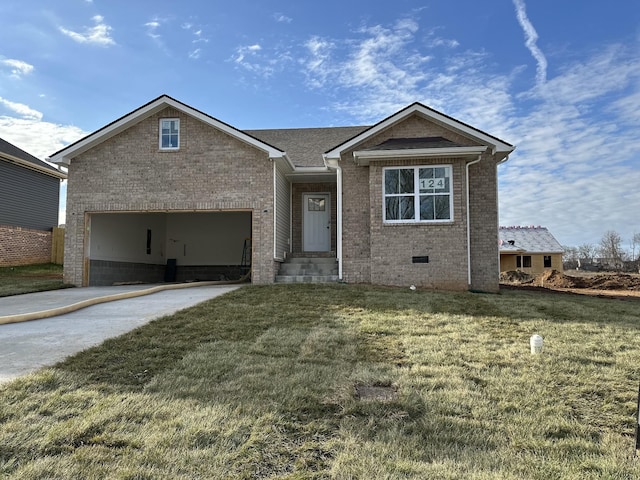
<point>555,279</point>
<point>516,277</point>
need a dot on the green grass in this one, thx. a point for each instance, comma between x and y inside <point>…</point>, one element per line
<point>261,383</point>
<point>30,278</point>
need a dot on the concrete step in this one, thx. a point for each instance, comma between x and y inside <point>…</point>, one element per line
<point>313,260</point>
<point>308,269</point>
<point>306,278</point>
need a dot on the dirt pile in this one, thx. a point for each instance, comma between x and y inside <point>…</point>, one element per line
<point>516,277</point>
<point>554,279</point>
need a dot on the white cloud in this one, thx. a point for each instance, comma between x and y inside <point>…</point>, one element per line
<point>152,28</point>
<point>282,18</point>
<point>100,34</point>
<point>531,37</point>
<point>37,137</point>
<point>18,68</point>
<point>21,109</point>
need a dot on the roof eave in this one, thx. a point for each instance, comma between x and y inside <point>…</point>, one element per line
<point>363,157</point>
<point>32,166</point>
<point>497,146</point>
<point>64,156</point>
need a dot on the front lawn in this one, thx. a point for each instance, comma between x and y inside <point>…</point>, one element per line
<point>341,381</point>
<point>30,278</point>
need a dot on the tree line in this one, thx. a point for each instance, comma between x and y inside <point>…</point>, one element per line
<point>609,254</point>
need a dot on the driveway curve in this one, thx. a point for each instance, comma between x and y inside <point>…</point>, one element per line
<point>27,346</point>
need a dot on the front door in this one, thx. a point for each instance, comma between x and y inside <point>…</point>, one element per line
<point>316,222</point>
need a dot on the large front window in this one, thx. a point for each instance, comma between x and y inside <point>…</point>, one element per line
<point>418,194</point>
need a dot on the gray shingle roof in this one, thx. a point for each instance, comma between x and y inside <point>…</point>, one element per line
<point>305,146</point>
<point>7,148</point>
<point>528,239</point>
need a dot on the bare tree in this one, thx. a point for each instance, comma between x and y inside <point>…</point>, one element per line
<point>611,248</point>
<point>586,252</point>
<point>570,257</point>
<point>635,244</point>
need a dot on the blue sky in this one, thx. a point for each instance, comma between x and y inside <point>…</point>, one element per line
<point>560,79</point>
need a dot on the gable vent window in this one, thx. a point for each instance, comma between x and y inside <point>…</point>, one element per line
<point>169,134</point>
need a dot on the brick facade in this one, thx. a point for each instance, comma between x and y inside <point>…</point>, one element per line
<point>24,246</point>
<point>374,252</point>
<point>215,171</point>
<point>129,173</point>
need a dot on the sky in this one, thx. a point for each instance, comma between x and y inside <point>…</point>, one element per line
<point>560,79</point>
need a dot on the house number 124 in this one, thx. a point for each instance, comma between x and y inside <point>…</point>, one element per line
<point>426,183</point>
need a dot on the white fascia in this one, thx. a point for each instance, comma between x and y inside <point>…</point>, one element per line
<point>363,157</point>
<point>64,156</point>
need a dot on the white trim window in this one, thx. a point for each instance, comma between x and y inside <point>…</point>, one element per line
<point>169,134</point>
<point>433,196</point>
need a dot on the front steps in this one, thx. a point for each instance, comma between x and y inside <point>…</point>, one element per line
<point>308,270</point>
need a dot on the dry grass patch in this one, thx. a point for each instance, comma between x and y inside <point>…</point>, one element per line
<point>340,381</point>
<point>30,278</point>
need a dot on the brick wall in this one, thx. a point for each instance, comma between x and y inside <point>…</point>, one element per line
<point>382,253</point>
<point>212,171</point>
<point>24,246</point>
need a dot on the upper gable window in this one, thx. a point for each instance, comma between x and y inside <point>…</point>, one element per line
<point>169,133</point>
<point>418,194</point>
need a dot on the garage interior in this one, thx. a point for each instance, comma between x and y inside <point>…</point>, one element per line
<point>157,247</point>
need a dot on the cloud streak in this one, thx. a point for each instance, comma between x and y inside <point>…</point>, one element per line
<point>21,109</point>
<point>18,68</point>
<point>531,38</point>
<point>99,34</point>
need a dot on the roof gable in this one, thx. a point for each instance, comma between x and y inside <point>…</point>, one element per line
<point>499,147</point>
<point>13,154</point>
<point>65,155</point>
<point>528,240</point>
<point>305,146</point>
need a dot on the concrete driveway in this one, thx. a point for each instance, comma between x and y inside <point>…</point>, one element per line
<point>27,346</point>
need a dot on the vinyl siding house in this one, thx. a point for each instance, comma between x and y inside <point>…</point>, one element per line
<point>29,195</point>
<point>411,200</point>
<point>529,249</point>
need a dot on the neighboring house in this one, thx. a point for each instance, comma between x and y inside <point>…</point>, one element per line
<point>529,249</point>
<point>410,200</point>
<point>29,199</point>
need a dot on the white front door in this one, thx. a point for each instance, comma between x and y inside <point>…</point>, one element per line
<point>316,222</point>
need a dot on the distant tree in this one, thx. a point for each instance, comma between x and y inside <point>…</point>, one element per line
<point>587,252</point>
<point>611,248</point>
<point>635,246</point>
<point>570,257</point>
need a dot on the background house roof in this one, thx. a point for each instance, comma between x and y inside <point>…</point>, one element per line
<point>16,155</point>
<point>528,240</point>
<point>305,146</point>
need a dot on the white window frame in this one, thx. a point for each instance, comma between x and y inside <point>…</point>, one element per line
<point>416,195</point>
<point>160,134</point>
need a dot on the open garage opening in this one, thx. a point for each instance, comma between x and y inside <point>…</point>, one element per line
<point>156,247</point>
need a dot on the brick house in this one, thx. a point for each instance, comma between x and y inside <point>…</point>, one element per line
<point>529,249</point>
<point>409,200</point>
<point>29,199</point>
